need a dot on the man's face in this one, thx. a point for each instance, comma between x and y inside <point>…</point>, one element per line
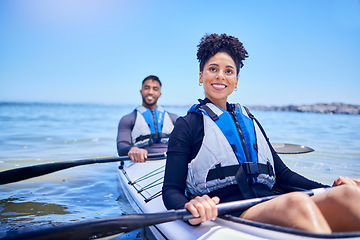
<point>150,92</point>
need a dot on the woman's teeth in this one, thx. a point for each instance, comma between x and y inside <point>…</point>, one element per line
<point>218,86</point>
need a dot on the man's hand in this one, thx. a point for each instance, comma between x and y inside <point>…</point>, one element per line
<point>138,154</point>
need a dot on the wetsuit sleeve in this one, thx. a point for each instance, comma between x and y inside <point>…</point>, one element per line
<point>123,139</point>
<point>183,144</point>
<point>286,176</point>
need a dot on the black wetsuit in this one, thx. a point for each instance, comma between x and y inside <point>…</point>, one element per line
<point>125,127</point>
<point>184,144</point>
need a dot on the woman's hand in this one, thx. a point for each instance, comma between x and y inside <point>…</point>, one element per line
<point>345,180</point>
<point>203,208</point>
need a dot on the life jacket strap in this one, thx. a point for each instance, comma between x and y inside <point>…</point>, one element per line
<point>221,172</point>
<point>251,116</point>
<point>143,137</point>
<point>210,112</point>
<point>250,169</point>
<point>152,136</point>
<point>241,178</point>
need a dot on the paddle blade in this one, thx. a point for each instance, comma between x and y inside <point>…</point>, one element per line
<point>287,148</point>
<point>18,174</point>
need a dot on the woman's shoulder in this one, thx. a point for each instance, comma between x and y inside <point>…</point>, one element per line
<point>188,130</point>
<point>189,123</point>
<point>192,117</point>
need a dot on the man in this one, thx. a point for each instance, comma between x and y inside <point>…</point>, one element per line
<point>147,128</point>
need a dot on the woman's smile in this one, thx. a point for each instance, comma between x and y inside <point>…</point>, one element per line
<point>218,86</point>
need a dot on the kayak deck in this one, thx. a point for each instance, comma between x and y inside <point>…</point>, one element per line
<point>142,184</point>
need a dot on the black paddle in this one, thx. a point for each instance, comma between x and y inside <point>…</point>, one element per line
<point>18,174</point>
<point>287,148</point>
<point>127,223</point>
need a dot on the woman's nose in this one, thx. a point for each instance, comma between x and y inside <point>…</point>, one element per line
<point>220,75</point>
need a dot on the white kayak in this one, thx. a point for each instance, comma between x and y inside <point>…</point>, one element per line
<point>142,184</point>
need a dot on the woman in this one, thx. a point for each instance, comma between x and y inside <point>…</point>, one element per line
<point>207,145</point>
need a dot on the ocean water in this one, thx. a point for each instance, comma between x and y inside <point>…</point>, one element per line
<point>32,134</point>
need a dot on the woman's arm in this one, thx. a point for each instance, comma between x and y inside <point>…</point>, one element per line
<point>178,154</point>
<point>286,176</point>
<point>184,144</point>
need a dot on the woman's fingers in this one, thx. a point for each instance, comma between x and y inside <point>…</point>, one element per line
<point>216,200</point>
<point>357,181</point>
<point>202,207</point>
<point>212,212</point>
<point>346,180</point>
<point>191,208</point>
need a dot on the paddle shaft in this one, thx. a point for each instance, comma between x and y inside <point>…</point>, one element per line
<point>126,223</point>
<point>18,174</point>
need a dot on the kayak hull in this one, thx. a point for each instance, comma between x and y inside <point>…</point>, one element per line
<point>141,203</point>
<point>142,184</point>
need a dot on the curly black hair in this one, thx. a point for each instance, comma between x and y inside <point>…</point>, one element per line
<point>214,43</point>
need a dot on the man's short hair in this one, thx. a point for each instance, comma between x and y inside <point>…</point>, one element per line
<point>151,77</point>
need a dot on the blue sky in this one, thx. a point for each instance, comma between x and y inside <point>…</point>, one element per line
<point>77,51</point>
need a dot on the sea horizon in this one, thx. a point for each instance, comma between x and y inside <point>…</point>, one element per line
<point>319,107</point>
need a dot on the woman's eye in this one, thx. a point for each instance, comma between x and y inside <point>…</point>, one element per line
<point>229,71</point>
<point>212,69</point>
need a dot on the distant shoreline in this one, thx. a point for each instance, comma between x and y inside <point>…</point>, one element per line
<point>329,108</point>
<point>332,108</point>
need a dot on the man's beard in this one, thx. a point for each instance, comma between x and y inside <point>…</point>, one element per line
<point>151,103</point>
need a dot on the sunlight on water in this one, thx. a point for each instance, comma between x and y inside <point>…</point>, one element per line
<point>33,134</point>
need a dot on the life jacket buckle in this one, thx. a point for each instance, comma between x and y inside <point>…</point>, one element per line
<point>220,171</point>
<point>270,169</point>
<point>251,168</point>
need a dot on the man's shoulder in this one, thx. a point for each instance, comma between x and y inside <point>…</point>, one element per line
<point>129,117</point>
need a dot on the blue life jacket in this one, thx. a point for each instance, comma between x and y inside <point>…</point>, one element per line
<point>151,126</point>
<point>234,151</point>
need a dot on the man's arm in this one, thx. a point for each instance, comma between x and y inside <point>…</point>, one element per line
<point>125,127</point>
<point>124,142</point>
